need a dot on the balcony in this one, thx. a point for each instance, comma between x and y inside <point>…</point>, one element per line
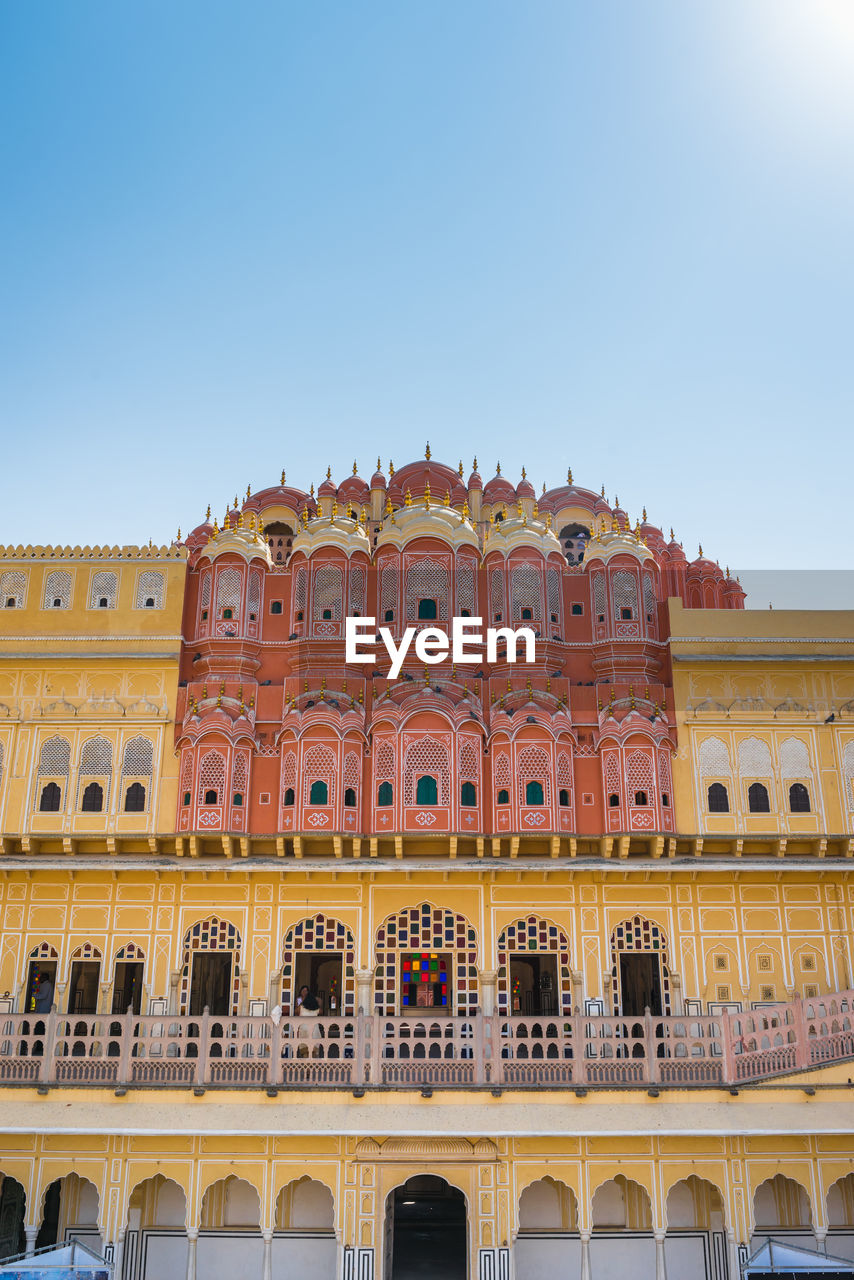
<point>130,1051</point>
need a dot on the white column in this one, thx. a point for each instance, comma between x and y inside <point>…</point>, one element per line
<point>31,1233</point>
<point>660,1262</point>
<point>267,1269</point>
<point>364,990</point>
<point>732,1245</point>
<point>192,1239</point>
<point>118,1255</point>
<point>821,1239</point>
<point>586,1273</point>
<point>488,988</point>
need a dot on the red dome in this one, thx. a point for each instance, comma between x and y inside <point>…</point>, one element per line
<point>524,489</point>
<point>327,488</point>
<point>499,489</point>
<point>415,477</point>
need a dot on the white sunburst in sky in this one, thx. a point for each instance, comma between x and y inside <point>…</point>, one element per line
<point>613,236</point>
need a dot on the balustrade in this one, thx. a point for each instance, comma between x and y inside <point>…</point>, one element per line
<point>375,1050</point>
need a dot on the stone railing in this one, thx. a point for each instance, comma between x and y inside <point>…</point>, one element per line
<point>368,1051</point>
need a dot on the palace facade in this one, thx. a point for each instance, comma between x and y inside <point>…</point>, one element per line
<point>580,930</point>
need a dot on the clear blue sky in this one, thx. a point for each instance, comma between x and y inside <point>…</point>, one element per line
<point>616,236</point>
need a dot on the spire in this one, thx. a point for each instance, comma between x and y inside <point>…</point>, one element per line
<point>603,491</point>
<point>498,468</point>
<point>328,473</point>
<point>283,476</point>
<point>524,474</point>
<point>208,512</point>
<point>379,464</point>
<point>644,515</point>
<point>543,494</point>
<point>569,475</point>
<point>355,468</point>
<point>701,549</point>
<point>311,489</point>
<point>460,469</point>
<point>390,468</point>
<point>427,454</point>
<point>249,491</point>
<point>474,464</point>
<point>235,501</point>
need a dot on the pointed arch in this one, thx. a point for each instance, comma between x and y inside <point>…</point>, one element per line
<point>639,935</point>
<point>530,935</point>
<point>210,934</point>
<point>433,929</point>
<point>319,933</point>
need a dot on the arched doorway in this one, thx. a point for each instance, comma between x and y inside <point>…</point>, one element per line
<point>426,1234</point>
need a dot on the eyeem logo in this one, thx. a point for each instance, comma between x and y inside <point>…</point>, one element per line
<point>432,644</point>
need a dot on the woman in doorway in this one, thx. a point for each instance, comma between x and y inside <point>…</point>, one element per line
<point>308,1008</point>
<point>301,995</point>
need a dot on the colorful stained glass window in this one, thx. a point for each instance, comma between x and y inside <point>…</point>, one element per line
<point>424,980</point>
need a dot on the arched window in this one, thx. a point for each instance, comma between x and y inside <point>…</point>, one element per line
<point>534,792</point>
<point>641,798</point>
<point>237,799</point>
<point>211,797</point>
<point>426,790</point>
<point>427,609</point>
<point>385,795</point>
<point>757,798</point>
<point>503,796</point>
<point>289,798</point>
<point>527,615</point>
<point>187,798</point>
<point>563,798</point>
<point>613,800</point>
<point>319,793</point>
<point>799,798</point>
<point>135,798</point>
<point>350,797</point>
<point>718,798</point>
<point>468,793</point>
<point>93,798</point>
<point>50,798</point>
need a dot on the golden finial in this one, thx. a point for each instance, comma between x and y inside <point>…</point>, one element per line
<point>524,474</point>
<point>389,509</point>
<point>672,535</point>
<point>349,511</point>
<point>569,475</point>
<point>614,526</point>
<point>603,491</point>
<point>460,469</point>
<point>536,512</point>
<point>498,468</point>
<point>282,481</point>
<point>240,520</point>
<point>492,518</point>
<point>252,521</point>
<point>548,519</point>
<point>701,548</point>
<point>179,534</point>
<point>727,571</point>
<point>446,501</point>
<point>474,464</point>
<point>519,508</point>
<point>208,512</point>
<point>216,527</point>
<point>465,510</point>
<point>637,531</point>
<point>328,473</point>
<point>334,515</point>
<point>249,491</point>
<point>407,501</point>
<point>644,515</point>
<point>427,495</point>
<point>616,500</point>
<point>311,489</point>
<point>390,468</point>
<point>379,464</point>
<point>543,494</point>
<point>226,524</point>
<point>305,517</point>
<point>427,453</point>
<point>363,518</point>
<point>355,468</point>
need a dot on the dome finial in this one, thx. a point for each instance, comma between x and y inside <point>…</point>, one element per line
<point>524,474</point>
<point>235,501</point>
<point>226,524</point>
<point>672,534</point>
<point>334,515</point>
<point>701,549</point>
<point>446,501</point>
<point>282,481</point>
<point>519,508</point>
<point>328,473</point>
<point>407,500</point>
<point>379,464</point>
<point>427,495</point>
<point>305,517</point>
<point>543,494</point>
<point>474,464</point>
<point>249,491</point>
<point>616,500</point>
<point>460,469</point>
<point>311,489</point>
<point>427,453</point>
<point>603,491</point>
<point>548,519</point>
<point>498,468</point>
<point>569,475</point>
<point>355,468</point>
<point>390,468</point>
<point>363,517</point>
<point>208,512</point>
<point>465,510</point>
<point>389,509</point>
<point>644,515</point>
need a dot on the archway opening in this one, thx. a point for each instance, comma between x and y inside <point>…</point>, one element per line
<point>12,1205</point>
<point>640,984</point>
<point>534,983</point>
<point>210,984</point>
<point>323,973</point>
<point>426,1233</point>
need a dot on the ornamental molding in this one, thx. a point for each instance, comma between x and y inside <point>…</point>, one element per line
<point>407,1150</point>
